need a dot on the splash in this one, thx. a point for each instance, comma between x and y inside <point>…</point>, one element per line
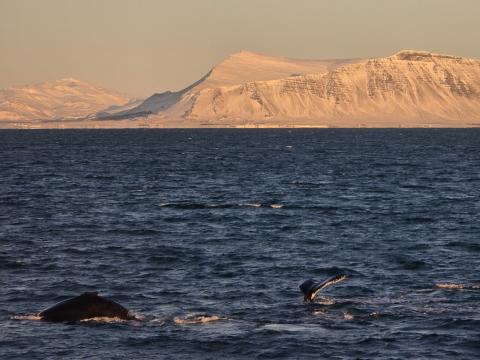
<point>325,301</point>
<point>137,316</point>
<point>347,316</point>
<point>254,205</point>
<point>196,319</point>
<point>104,319</point>
<point>100,319</point>
<point>276,206</point>
<point>157,321</point>
<point>452,286</point>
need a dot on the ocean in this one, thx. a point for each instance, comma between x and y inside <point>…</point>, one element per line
<point>206,236</point>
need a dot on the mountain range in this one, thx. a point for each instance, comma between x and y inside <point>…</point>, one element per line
<point>407,89</point>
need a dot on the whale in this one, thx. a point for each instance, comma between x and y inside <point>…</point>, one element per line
<point>88,305</point>
<point>310,288</point>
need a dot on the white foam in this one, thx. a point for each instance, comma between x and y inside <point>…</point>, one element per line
<point>254,205</point>
<point>196,319</point>
<point>452,286</point>
<point>26,317</point>
<point>449,286</point>
<point>292,327</point>
<point>104,319</point>
<point>325,301</point>
<point>276,206</point>
<point>158,321</point>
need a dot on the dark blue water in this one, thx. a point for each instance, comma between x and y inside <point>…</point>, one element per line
<point>180,224</point>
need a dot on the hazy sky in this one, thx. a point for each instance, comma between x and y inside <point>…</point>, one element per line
<point>144,46</point>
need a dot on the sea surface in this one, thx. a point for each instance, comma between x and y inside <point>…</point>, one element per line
<point>205,235</point>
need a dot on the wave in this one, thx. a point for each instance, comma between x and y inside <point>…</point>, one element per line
<point>11,264</point>
<point>419,220</point>
<point>407,263</point>
<point>203,206</point>
<point>134,231</point>
<point>465,245</point>
<point>335,270</point>
<point>199,206</point>
<point>293,328</point>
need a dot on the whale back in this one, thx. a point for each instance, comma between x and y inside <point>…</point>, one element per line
<point>86,306</point>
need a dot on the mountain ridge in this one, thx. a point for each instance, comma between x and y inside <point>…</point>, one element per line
<point>409,88</point>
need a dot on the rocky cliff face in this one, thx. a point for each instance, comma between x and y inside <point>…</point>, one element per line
<point>410,88</point>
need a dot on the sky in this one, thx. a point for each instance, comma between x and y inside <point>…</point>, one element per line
<point>144,46</point>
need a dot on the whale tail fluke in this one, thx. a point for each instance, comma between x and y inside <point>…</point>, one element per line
<point>310,287</point>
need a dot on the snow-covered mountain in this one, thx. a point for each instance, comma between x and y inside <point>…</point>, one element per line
<point>410,88</point>
<point>61,99</point>
<point>240,68</point>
